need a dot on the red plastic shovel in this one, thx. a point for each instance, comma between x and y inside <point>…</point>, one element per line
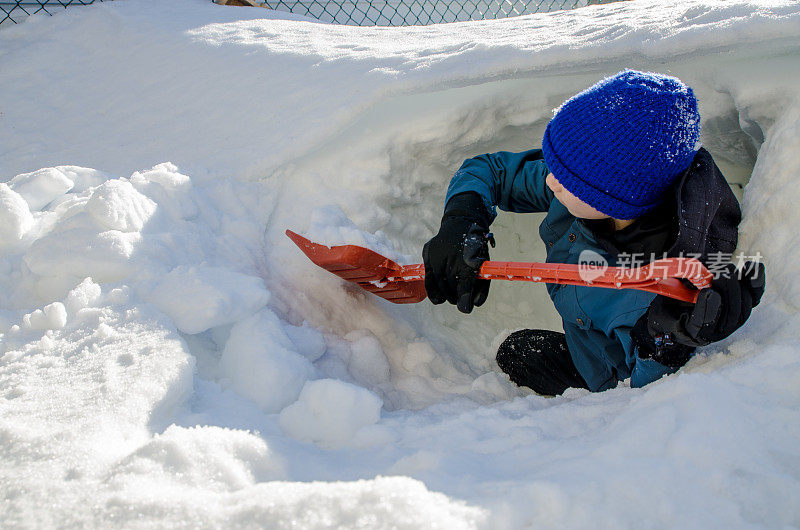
<point>405,284</point>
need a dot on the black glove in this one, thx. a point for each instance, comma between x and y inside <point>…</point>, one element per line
<point>671,329</point>
<point>454,256</point>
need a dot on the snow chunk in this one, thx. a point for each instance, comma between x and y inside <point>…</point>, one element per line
<point>367,363</point>
<point>261,366</point>
<point>200,298</point>
<point>52,316</point>
<point>80,252</point>
<point>41,187</point>
<point>15,216</point>
<point>83,178</point>
<point>166,174</point>
<point>417,356</point>
<point>307,341</point>
<point>118,296</point>
<point>384,502</point>
<point>329,225</point>
<point>207,456</point>
<point>329,412</point>
<point>169,188</point>
<point>84,295</point>
<point>117,205</point>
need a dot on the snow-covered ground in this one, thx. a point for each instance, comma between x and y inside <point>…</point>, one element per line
<point>168,357</point>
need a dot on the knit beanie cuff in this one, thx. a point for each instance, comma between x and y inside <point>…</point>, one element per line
<point>620,144</point>
<point>596,198</point>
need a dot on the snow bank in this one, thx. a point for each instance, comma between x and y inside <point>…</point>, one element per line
<point>386,502</point>
<point>168,357</point>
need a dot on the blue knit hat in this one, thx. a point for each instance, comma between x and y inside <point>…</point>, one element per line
<point>620,144</point>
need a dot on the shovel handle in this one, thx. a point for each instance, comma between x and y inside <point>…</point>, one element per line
<point>662,276</point>
<point>405,284</point>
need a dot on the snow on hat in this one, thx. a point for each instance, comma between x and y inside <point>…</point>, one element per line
<point>621,143</point>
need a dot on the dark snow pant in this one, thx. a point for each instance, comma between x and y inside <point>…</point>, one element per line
<point>539,359</point>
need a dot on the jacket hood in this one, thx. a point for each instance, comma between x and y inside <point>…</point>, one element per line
<point>708,212</point>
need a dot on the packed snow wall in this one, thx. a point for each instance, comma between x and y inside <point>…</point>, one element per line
<point>415,142</point>
<point>168,356</point>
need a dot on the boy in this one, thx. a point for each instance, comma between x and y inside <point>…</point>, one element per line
<point>621,173</point>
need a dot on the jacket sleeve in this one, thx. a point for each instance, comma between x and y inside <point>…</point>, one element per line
<point>513,182</point>
<point>643,371</point>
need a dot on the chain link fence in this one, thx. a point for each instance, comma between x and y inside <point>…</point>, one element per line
<point>417,12</point>
<point>352,12</point>
<point>15,12</point>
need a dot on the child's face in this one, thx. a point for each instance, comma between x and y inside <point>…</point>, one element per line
<point>576,207</point>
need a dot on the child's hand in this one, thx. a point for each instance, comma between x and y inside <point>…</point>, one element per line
<point>454,256</point>
<point>724,308</point>
<point>672,329</point>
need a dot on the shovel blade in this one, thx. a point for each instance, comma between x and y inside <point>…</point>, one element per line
<point>363,267</point>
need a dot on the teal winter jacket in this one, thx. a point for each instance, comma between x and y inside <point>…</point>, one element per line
<point>597,322</point>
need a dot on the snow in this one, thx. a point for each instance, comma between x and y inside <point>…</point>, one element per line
<point>200,298</point>
<point>15,216</point>
<point>169,358</point>
<point>41,187</point>
<point>51,316</point>
<point>116,205</point>
<point>261,362</point>
<point>330,412</point>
